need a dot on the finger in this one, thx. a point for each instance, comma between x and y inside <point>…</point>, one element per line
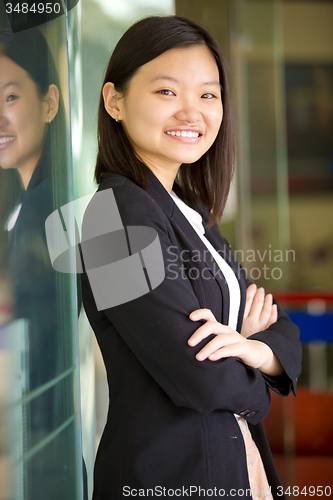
<point>250,293</point>
<point>199,314</point>
<point>266,311</point>
<point>233,350</point>
<point>216,344</point>
<point>250,352</point>
<point>274,316</point>
<point>257,304</point>
<point>209,328</point>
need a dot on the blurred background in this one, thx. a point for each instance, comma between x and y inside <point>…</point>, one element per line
<point>279,220</point>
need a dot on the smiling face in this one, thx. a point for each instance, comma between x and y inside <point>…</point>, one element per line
<point>23,118</point>
<point>172,110</point>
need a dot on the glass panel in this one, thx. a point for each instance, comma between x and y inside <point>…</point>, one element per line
<point>40,438</point>
<point>308,52</point>
<point>284,53</point>
<point>263,231</point>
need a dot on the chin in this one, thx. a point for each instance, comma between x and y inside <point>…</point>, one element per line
<point>7,161</point>
<point>4,166</point>
<point>191,159</point>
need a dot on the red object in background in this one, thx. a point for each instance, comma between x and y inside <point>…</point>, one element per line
<point>300,433</point>
<point>312,412</point>
<point>292,297</point>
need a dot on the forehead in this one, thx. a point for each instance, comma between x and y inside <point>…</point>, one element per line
<point>190,64</point>
<point>11,72</point>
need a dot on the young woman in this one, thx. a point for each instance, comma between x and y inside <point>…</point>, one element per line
<point>29,119</point>
<point>32,141</point>
<point>189,363</point>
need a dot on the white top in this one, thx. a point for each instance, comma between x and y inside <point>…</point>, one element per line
<point>13,218</point>
<point>195,220</point>
<point>257,477</point>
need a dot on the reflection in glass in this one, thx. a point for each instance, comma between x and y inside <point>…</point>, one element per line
<point>34,176</point>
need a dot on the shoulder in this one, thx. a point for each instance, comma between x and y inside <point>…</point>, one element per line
<point>118,195</point>
<point>128,194</point>
<point>37,205</point>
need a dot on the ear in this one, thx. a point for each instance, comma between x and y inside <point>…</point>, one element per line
<point>111,96</point>
<point>52,102</point>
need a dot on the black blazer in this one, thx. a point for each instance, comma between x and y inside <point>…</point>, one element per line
<point>170,422</point>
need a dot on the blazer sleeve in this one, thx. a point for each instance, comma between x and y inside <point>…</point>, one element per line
<point>156,328</point>
<point>283,337</point>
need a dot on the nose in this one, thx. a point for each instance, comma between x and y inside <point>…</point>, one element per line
<point>188,112</point>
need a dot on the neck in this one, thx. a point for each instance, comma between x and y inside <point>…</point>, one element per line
<point>26,172</point>
<point>166,177</point>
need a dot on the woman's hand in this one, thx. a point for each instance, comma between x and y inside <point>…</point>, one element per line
<point>259,313</point>
<point>228,342</point>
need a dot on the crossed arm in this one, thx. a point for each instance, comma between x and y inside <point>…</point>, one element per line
<point>259,314</point>
<point>157,327</point>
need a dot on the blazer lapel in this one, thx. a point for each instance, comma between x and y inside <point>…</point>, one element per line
<point>226,252</point>
<point>192,239</point>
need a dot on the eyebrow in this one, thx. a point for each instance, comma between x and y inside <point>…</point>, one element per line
<point>11,83</point>
<point>170,78</point>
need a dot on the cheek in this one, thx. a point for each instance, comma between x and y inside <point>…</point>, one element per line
<point>143,123</point>
<point>218,115</point>
<point>22,117</point>
<point>151,117</point>
<point>149,112</point>
<point>31,125</point>
<point>216,121</point>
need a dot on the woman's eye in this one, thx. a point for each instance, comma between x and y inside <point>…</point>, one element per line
<point>208,96</point>
<point>165,92</point>
<point>11,97</point>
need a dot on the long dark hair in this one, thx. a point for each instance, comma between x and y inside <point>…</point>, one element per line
<point>208,180</point>
<point>29,50</point>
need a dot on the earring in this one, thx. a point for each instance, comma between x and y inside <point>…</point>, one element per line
<point>116,118</point>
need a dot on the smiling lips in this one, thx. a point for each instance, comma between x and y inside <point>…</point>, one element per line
<point>183,133</point>
<point>190,136</point>
<point>5,140</point>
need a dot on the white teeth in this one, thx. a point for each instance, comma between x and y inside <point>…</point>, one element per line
<point>183,133</point>
<point>3,140</point>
